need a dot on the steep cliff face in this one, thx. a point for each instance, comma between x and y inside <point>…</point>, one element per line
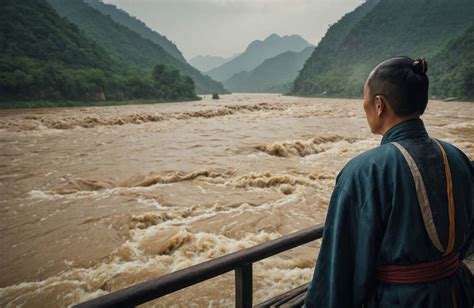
<point>377,30</point>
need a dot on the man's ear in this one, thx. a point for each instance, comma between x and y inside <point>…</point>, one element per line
<point>380,105</point>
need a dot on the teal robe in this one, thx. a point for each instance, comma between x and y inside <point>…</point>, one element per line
<point>374,219</point>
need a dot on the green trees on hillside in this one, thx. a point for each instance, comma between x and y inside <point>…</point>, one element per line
<point>452,68</point>
<point>32,29</point>
<point>375,31</point>
<point>124,44</point>
<point>170,84</point>
<point>44,57</point>
<point>26,79</point>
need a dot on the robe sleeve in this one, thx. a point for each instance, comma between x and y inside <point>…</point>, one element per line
<point>344,272</point>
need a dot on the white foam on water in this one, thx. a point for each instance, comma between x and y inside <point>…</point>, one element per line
<point>152,202</point>
<point>300,171</point>
<point>41,195</point>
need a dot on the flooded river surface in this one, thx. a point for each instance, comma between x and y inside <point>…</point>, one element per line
<point>96,199</point>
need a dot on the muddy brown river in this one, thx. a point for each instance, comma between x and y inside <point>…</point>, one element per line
<point>97,199</point>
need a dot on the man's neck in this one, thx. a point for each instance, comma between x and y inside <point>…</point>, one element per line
<point>394,121</point>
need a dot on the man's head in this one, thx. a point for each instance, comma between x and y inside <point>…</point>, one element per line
<point>396,90</point>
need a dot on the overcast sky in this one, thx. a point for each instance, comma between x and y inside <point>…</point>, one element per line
<point>225,27</point>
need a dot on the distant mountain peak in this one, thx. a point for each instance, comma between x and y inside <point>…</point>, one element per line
<point>273,36</point>
<point>207,62</point>
<point>257,52</point>
<point>273,75</point>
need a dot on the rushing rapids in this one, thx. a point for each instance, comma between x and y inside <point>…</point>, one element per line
<point>97,199</point>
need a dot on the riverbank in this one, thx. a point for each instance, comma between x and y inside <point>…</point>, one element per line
<point>55,104</point>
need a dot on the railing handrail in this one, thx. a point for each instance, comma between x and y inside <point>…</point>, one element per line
<point>241,261</point>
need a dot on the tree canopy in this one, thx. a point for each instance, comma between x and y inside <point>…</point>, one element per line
<point>45,57</point>
<point>378,30</point>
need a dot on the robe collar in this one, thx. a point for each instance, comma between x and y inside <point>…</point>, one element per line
<point>410,129</point>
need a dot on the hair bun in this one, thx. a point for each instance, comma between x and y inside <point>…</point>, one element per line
<point>420,66</point>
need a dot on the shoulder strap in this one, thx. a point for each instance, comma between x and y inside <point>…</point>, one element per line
<point>422,196</point>
<point>449,189</point>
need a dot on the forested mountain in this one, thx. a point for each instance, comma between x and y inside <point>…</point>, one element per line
<point>126,45</point>
<point>377,30</point>
<point>273,75</point>
<point>452,70</point>
<point>257,52</point>
<point>207,63</point>
<point>138,26</point>
<point>31,29</point>
<point>43,56</point>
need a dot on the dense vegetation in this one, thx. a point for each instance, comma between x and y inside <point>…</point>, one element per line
<point>256,53</point>
<point>136,25</point>
<point>273,75</point>
<point>44,57</point>
<point>377,30</point>
<point>453,68</point>
<point>127,46</point>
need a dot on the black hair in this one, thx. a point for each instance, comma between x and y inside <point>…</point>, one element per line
<point>403,81</point>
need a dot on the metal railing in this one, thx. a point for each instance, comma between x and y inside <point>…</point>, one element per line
<point>240,262</point>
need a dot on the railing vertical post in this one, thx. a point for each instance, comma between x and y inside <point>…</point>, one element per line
<point>241,262</point>
<point>243,286</point>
